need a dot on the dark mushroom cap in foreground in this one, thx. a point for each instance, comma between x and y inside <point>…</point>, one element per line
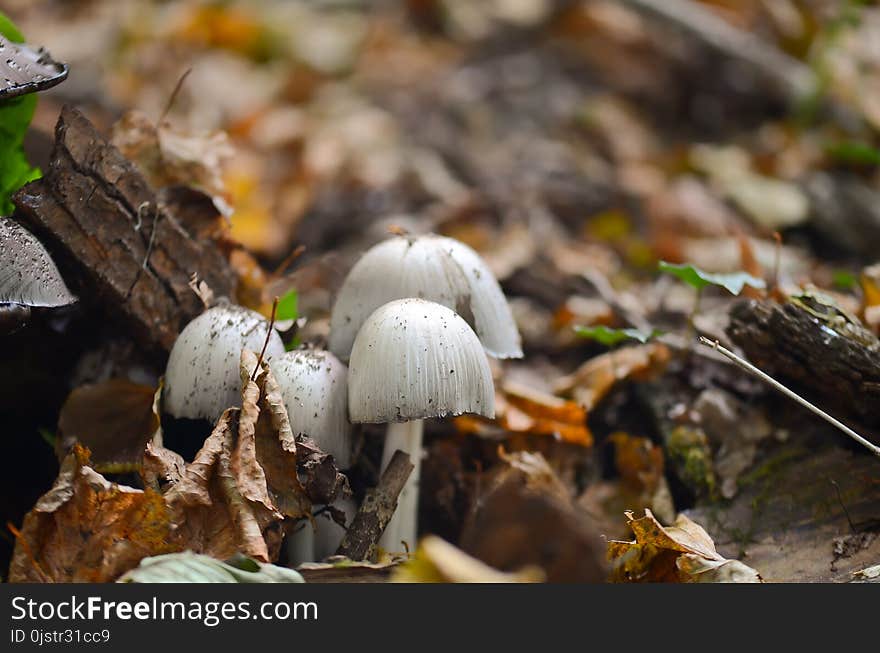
<point>25,70</point>
<point>28,275</point>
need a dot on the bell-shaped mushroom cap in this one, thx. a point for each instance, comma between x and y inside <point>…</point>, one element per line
<point>430,267</point>
<point>314,385</point>
<point>28,275</point>
<point>26,70</point>
<point>202,378</point>
<point>414,359</point>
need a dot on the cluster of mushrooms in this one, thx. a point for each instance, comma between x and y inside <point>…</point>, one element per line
<point>414,320</point>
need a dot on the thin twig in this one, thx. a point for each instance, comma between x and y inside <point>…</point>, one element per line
<point>290,258</point>
<point>266,341</point>
<point>852,526</point>
<point>173,96</point>
<point>777,260</point>
<point>744,364</point>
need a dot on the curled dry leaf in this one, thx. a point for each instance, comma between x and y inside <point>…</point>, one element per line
<point>210,513</point>
<point>169,158</point>
<point>250,480</point>
<point>595,378</point>
<point>87,529</point>
<point>682,553</point>
<point>438,561</point>
<point>521,409</point>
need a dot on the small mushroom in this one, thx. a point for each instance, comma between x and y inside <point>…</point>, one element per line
<point>314,386</point>
<point>431,267</point>
<point>329,534</point>
<point>314,542</point>
<point>412,360</point>
<point>202,377</point>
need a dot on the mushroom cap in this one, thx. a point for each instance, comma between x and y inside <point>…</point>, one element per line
<point>24,69</point>
<point>431,267</point>
<point>414,359</point>
<point>202,378</point>
<point>28,275</point>
<point>314,386</point>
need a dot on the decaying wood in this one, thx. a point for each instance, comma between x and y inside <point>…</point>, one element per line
<point>786,341</point>
<point>375,512</point>
<point>802,515</point>
<point>346,571</point>
<point>113,241</point>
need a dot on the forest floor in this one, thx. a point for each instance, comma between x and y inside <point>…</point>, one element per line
<point>575,145</point>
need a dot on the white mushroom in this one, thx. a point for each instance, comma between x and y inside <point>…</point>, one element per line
<point>28,275</point>
<point>414,359</point>
<point>202,378</point>
<point>329,534</point>
<point>430,267</point>
<point>308,544</point>
<point>314,385</point>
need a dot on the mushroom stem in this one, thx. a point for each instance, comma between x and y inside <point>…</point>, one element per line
<point>301,545</point>
<point>406,436</point>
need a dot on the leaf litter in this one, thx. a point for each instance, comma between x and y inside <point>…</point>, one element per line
<point>572,186</point>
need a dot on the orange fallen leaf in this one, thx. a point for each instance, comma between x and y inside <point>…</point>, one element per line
<point>87,529</point>
<point>638,461</point>
<point>595,378</point>
<point>870,282</point>
<point>521,409</point>
<point>682,553</point>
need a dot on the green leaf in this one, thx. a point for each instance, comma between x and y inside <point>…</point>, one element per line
<point>15,116</point>
<point>287,307</point>
<point>189,567</point>
<point>9,30</point>
<point>48,437</point>
<point>699,279</point>
<point>854,152</point>
<point>844,279</point>
<point>610,337</point>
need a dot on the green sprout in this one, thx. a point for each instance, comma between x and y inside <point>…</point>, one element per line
<point>287,307</point>
<point>732,282</point>
<point>610,337</point>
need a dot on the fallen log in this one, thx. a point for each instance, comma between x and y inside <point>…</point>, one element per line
<point>839,368</point>
<point>128,256</point>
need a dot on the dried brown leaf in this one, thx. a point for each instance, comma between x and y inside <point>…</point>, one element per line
<point>683,552</point>
<point>87,529</point>
<point>522,409</point>
<point>209,512</point>
<point>595,378</point>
